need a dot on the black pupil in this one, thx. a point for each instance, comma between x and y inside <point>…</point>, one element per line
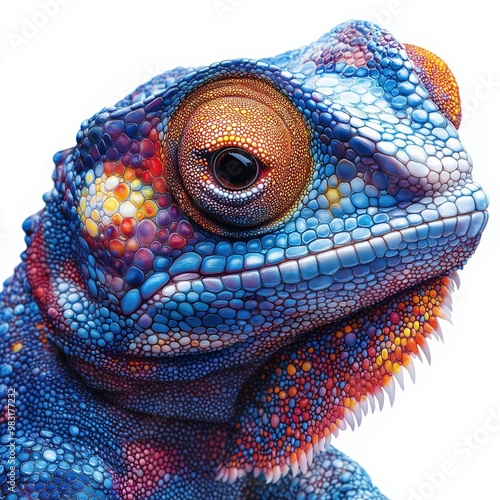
<point>234,168</point>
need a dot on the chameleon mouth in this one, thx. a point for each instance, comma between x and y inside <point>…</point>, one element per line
<point>388,263</point>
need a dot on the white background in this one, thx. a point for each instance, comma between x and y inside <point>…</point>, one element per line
<point>441,439</point>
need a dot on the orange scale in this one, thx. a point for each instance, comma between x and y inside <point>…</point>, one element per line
<point>405,359</point>
<point>116,219</point>
<point>128,226</point>
<point>420,339</point>
<point>117,248</point>
<point>16,347</point>
<point>150,208</point>
<point>121,192</point>
<point>133,245</point>
<point>411,345</point>
<point>129,175</point>
<point>398,354</point>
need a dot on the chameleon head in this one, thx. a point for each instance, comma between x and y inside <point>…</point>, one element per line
<point>215,216</point>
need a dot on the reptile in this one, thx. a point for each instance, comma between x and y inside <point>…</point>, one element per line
<point>235,262</point>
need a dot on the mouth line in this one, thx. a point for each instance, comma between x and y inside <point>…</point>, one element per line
<point>312,268</point>
<point>337,283</point>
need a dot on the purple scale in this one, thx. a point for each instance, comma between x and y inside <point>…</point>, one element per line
<point>163,218</point>
<point>114,127</point>
<point>135,146</point>
<point>122,143</point>
<point>147,148</point>
<point>112,154</point>
<point>111,232</point>
<point>135,116</point>
<point>144,259</point>
<point>145,128</point>
<point>155,247</point>
<point>184,228</point>
<point>163,235</point>
<point>136,160</point>
<point>174,212</point>
<point>146,231</point>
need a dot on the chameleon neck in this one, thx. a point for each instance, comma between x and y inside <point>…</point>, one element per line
<point>210,399</point>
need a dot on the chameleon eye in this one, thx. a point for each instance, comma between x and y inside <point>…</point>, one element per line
<point>234,168</point>
<point>238,156</point>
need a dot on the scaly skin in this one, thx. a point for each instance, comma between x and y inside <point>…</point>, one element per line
<point>233,264</point>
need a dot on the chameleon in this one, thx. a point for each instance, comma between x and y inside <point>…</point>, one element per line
<point>235,263</point>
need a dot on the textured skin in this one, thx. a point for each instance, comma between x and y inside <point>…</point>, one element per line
<point>178,331</point>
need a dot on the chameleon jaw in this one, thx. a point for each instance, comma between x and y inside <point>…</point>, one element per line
<point>335,376</point>
<point>322,271</point>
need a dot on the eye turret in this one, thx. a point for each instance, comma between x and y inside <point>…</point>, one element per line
<point>238,156</point>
